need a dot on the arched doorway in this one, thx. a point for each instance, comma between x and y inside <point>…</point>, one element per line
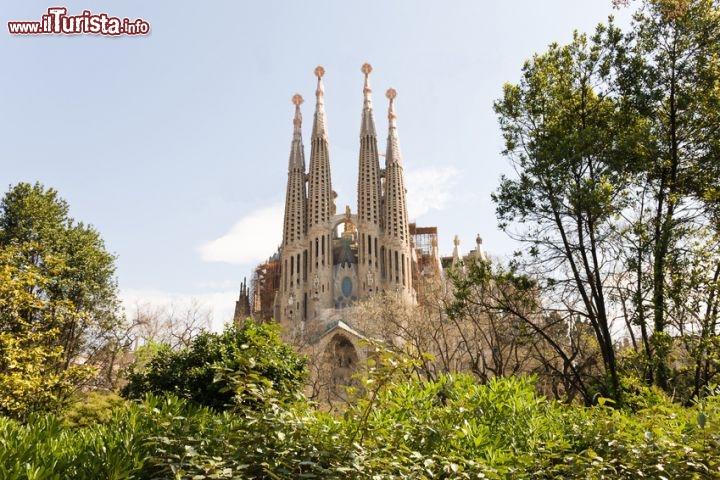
<point>341,358</point>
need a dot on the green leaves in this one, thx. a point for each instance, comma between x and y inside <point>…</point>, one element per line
<point>450,428</point>
<point>73,273</point>
<point>245,366</point>
<point>31,379</point>
<point>614,140</point>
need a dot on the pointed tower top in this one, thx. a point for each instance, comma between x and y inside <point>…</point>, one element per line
<point>367,127</point>
<point>320,91</point>
<point>478,249</point>
<point>367,69</point>
<point>393,146</point>
<point>319,124</point>
<point>297,100</point>
<point>391,94</point>
<point>456,251</point>
<point>297,158</point>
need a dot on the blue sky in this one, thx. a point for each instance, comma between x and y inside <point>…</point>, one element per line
<point>174,145</point>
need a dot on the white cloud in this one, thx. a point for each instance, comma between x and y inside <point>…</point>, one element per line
<point>220,304</point>
<point>429,189</point>
<point>217,285</point>
<point>253,238</point>
<point>256,236</point>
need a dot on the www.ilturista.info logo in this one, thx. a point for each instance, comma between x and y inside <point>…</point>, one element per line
<point>57,21</point>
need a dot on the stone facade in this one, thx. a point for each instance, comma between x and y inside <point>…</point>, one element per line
<point>331,260</point>
<point>328,259</point>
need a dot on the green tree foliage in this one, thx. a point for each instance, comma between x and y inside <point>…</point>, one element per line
<point>561,353</point>
<point>567,142</point>
<point>668,73</point>
<point>401,427</point>
<point>614,139</point>
<point>32,375</point>
<point>76,268</point>
<point>243,365</point>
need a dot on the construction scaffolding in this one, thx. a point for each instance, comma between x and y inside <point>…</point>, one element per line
<point>264,285</point>
<point>425,243</point>
<point>426,260</point>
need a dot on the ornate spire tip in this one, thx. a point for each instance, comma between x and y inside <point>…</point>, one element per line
<point>366,69</point>
<point>297,120</point>
<point>391,94</point>
<point>319,71</point>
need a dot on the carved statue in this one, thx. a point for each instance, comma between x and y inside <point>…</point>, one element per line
<point>349,226</point>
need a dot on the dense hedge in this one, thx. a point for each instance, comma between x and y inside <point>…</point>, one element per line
<point>452,428</point>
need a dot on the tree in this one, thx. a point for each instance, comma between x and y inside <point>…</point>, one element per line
<point>692,308</point>
<point>668,74</point>
<point>77,268</point>
<point>30,380</point>
<point>571,147</point>
<point>422,331</point>
<point>242,366</point>
<point>483,320</point>
<point>171,324</point>
<point>615,143</point>
<point>509,331</point>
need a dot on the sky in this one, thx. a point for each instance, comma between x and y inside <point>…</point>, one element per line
<point>174,145</point>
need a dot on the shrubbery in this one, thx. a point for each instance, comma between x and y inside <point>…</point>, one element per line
<point>397,428</point>
<point>243,365</point>
<point>91,408</point>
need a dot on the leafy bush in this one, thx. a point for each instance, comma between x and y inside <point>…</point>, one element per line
<point>91,408</point>
<point>44,449</point>
<point>398,428</point>
<point>244,365</point>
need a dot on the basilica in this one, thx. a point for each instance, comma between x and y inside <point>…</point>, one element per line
<point>330,259</point>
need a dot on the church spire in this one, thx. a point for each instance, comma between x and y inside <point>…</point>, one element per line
<point>295,198</point>
<point>368,164</point>
<point>369,189</point>
<point>395,222</point>
<point>320,188</point>
<point>368,121</point>
<point>456,251</point>
<point>319,129</point>
<point>297,155</point>
<point>395,215</point>
<point>393,146</point>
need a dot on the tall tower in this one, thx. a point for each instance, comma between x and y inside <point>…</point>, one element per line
<point>395,268</point>
<point>369,196</point>
<point>320,209</point>
<point>294,252</point>
<point>323,270</point>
